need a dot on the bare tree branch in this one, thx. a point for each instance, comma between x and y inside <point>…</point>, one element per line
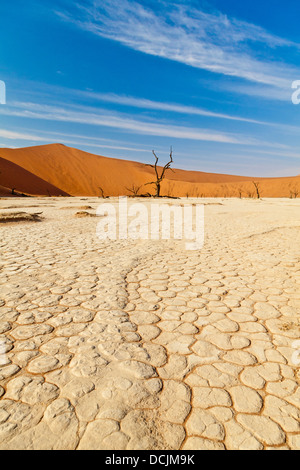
<point>134,189</point>
<point>256,185</point>
<point>160,177</point>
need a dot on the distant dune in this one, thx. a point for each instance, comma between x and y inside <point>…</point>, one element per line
<point>59,170</point>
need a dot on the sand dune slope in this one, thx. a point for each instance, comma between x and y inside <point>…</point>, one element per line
<point>57,169</point>
<point>14,176</point>
<point>76,172</point>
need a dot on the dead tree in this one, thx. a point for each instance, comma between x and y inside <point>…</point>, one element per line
<point>161,176</point>
<point>240,192</point>
<point>225,189</point>
<point>102,192</point>
<point>294,193</point>
<point>256,185</point>
<point>134,189</point>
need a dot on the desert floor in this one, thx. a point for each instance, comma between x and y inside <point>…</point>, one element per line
<point>144,345</point>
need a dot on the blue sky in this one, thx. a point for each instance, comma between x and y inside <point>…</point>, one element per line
<point>213,79</point>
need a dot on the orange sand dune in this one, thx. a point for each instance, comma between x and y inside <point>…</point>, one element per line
<point>14,176</point>
<point>61,170</point>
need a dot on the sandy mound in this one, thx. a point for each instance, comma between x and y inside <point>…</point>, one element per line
<point>19,217</point>
<point>82,214</point>
<point>83,208</point>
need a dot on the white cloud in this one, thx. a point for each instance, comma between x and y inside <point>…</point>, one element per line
<point>83,115</point>
<point>19,136</point>
<point>72,139</point>
<point>267,93</point>
<point>53,93</point>
<point>160,106</point>
<point>90,116</point>
<point>210,41</point>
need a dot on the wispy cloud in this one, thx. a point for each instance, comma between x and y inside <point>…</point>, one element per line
<point>210,41</point>
<point>64,138</point>
<point>253,90</point>
<point>6,134</point>
<point>143,103</point>
<point>54,94</point>
<point>84,115</point>
<point>261,91</point>
<point>38,92</point>
<point>88,141</point>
